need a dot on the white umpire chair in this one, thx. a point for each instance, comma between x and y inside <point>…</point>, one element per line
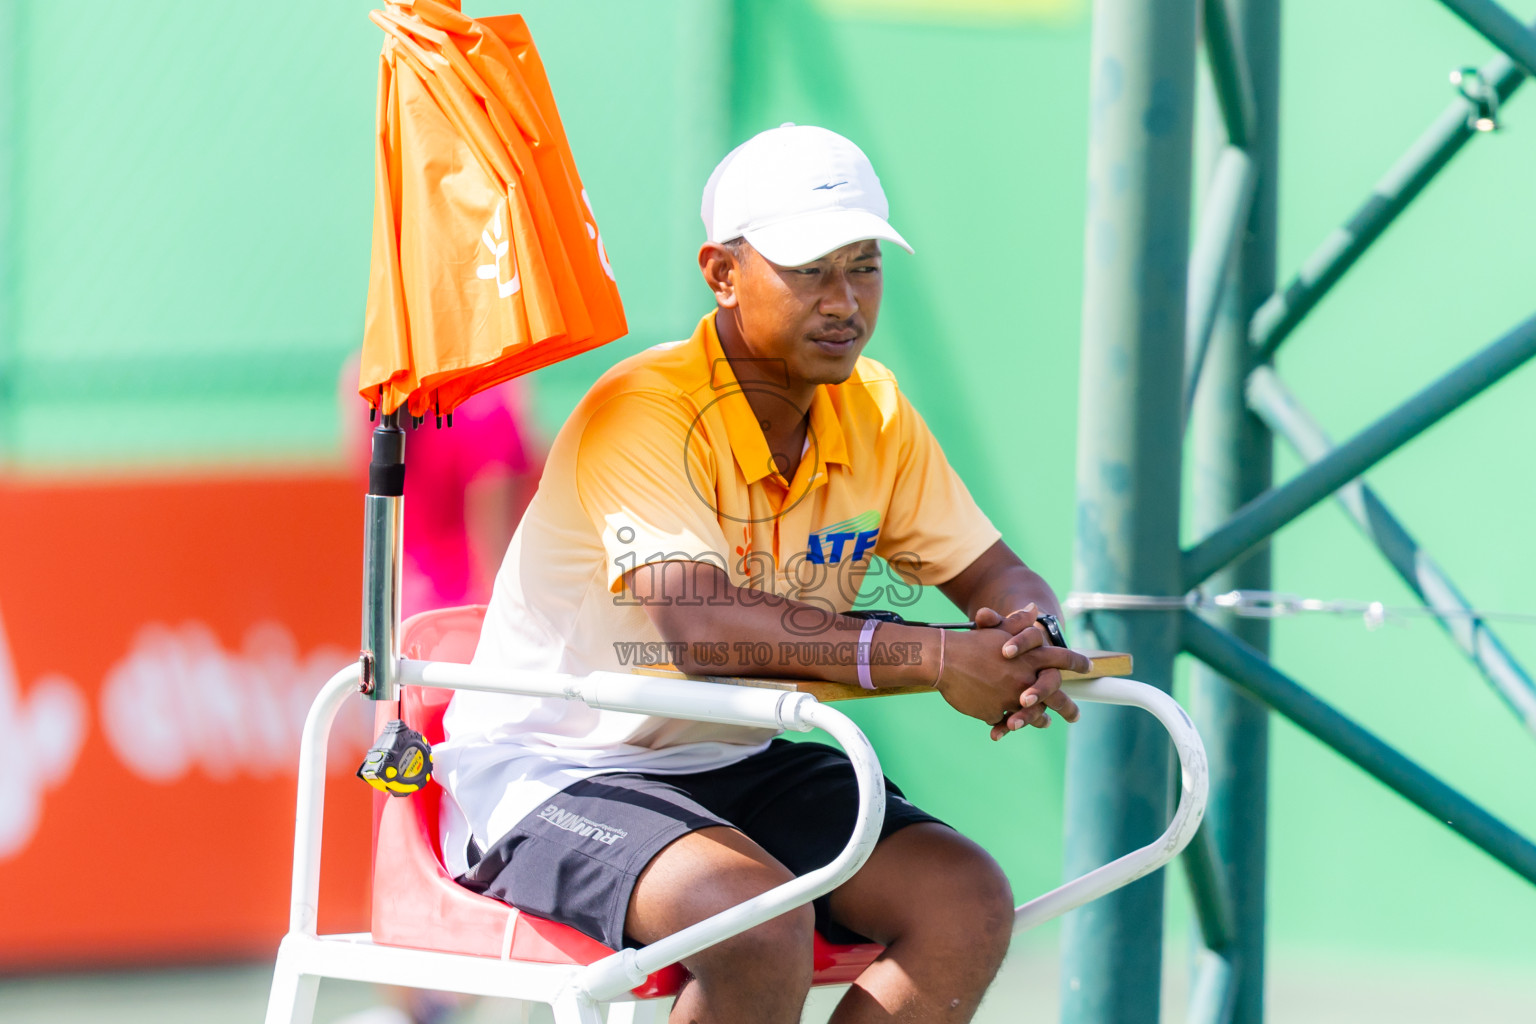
<point>429,932</point>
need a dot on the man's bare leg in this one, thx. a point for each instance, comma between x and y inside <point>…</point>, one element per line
<point>944,911</point>
<point>759,977</point>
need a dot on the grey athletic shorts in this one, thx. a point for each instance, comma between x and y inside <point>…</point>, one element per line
<point>575,860</point>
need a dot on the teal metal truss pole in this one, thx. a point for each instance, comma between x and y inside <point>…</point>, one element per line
<point>1233,465</point>
<point>1129,424</point>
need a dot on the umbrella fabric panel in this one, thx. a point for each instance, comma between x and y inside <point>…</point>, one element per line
<point>476,284</point>
<point>506,80</point>
<point>499,140</point>
<point>487,261</point>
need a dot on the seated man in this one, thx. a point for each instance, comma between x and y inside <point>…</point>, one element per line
<point>722,496</point>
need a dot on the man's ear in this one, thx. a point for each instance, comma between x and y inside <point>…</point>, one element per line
<point>719,267</point>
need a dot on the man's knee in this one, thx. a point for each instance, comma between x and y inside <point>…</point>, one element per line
<point>709,871</point>
<point>988,901</point>
<point>774,956</point>
<point>965,903</point>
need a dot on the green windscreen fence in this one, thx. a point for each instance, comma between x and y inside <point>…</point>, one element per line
<point>185,225</point>
<point>191,200</point>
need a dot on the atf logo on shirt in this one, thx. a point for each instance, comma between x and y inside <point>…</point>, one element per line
<point>854,537</point>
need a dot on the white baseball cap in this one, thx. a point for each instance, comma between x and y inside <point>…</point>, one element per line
<point>796,192</point>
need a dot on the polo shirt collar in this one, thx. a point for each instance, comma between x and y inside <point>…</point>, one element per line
<point>748,445</point>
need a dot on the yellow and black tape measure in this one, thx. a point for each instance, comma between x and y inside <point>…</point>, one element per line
<point>399,762</point>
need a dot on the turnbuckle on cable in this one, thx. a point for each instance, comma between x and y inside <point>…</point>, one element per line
<point>1478,91</point>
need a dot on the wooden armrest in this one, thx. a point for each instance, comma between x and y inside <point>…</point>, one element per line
<point>1105,663</point>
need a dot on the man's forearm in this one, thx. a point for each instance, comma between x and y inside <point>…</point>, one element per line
<point>1000,580</point>
<point>715,628</point>
<point>1012,589</point>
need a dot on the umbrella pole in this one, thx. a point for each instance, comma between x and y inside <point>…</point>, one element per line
<point>383,515</point>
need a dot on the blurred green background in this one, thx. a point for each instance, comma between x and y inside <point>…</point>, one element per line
<point>187,200</point>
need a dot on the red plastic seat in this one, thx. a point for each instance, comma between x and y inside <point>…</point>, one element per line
<point>415,901</point>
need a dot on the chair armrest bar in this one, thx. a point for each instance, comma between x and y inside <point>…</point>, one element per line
<point>621,691</point>
<point>304,901</point>
<point>614,975</point>
<point>717,702</point>
<point>681,698</point>
<point>1186,818</point>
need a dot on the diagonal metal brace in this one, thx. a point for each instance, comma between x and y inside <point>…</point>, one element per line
<point>1278,408</point>
<point>1261,517</point>
<point>1222,222</point>
<point>1249,669</point>
<point>1500,28</point>
<point>1229,72</point>
<point>1274,321</point>
<point>1209,890</point>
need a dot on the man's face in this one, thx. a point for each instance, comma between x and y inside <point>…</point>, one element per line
<point>816,318</point>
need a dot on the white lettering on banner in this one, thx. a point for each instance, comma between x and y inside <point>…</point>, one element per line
<point>44,732</point>
<point>500,248</point>
<point>178,700</point>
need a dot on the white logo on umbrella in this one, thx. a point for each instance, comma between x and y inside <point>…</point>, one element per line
<point>596,236</point>
<point>498,247</point>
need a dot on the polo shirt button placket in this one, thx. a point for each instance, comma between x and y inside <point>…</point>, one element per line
<point>776,558</point>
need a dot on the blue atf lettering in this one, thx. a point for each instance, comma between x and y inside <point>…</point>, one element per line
<point>864,544</point>
<point>837,541</point>
<point>828,546</point>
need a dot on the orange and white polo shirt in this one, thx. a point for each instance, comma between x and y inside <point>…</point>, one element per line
<point>665,460</point>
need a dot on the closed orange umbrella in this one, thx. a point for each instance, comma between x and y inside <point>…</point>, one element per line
<point>487,259</point>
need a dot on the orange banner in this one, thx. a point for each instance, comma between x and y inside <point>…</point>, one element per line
<point>160,643</point>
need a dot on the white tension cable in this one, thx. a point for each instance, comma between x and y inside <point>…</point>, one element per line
<point>1270,604</point>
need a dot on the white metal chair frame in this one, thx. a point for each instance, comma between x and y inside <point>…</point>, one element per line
<point>577,993</point>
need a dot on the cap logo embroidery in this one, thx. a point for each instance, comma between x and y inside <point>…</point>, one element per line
<point>828,185</point>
